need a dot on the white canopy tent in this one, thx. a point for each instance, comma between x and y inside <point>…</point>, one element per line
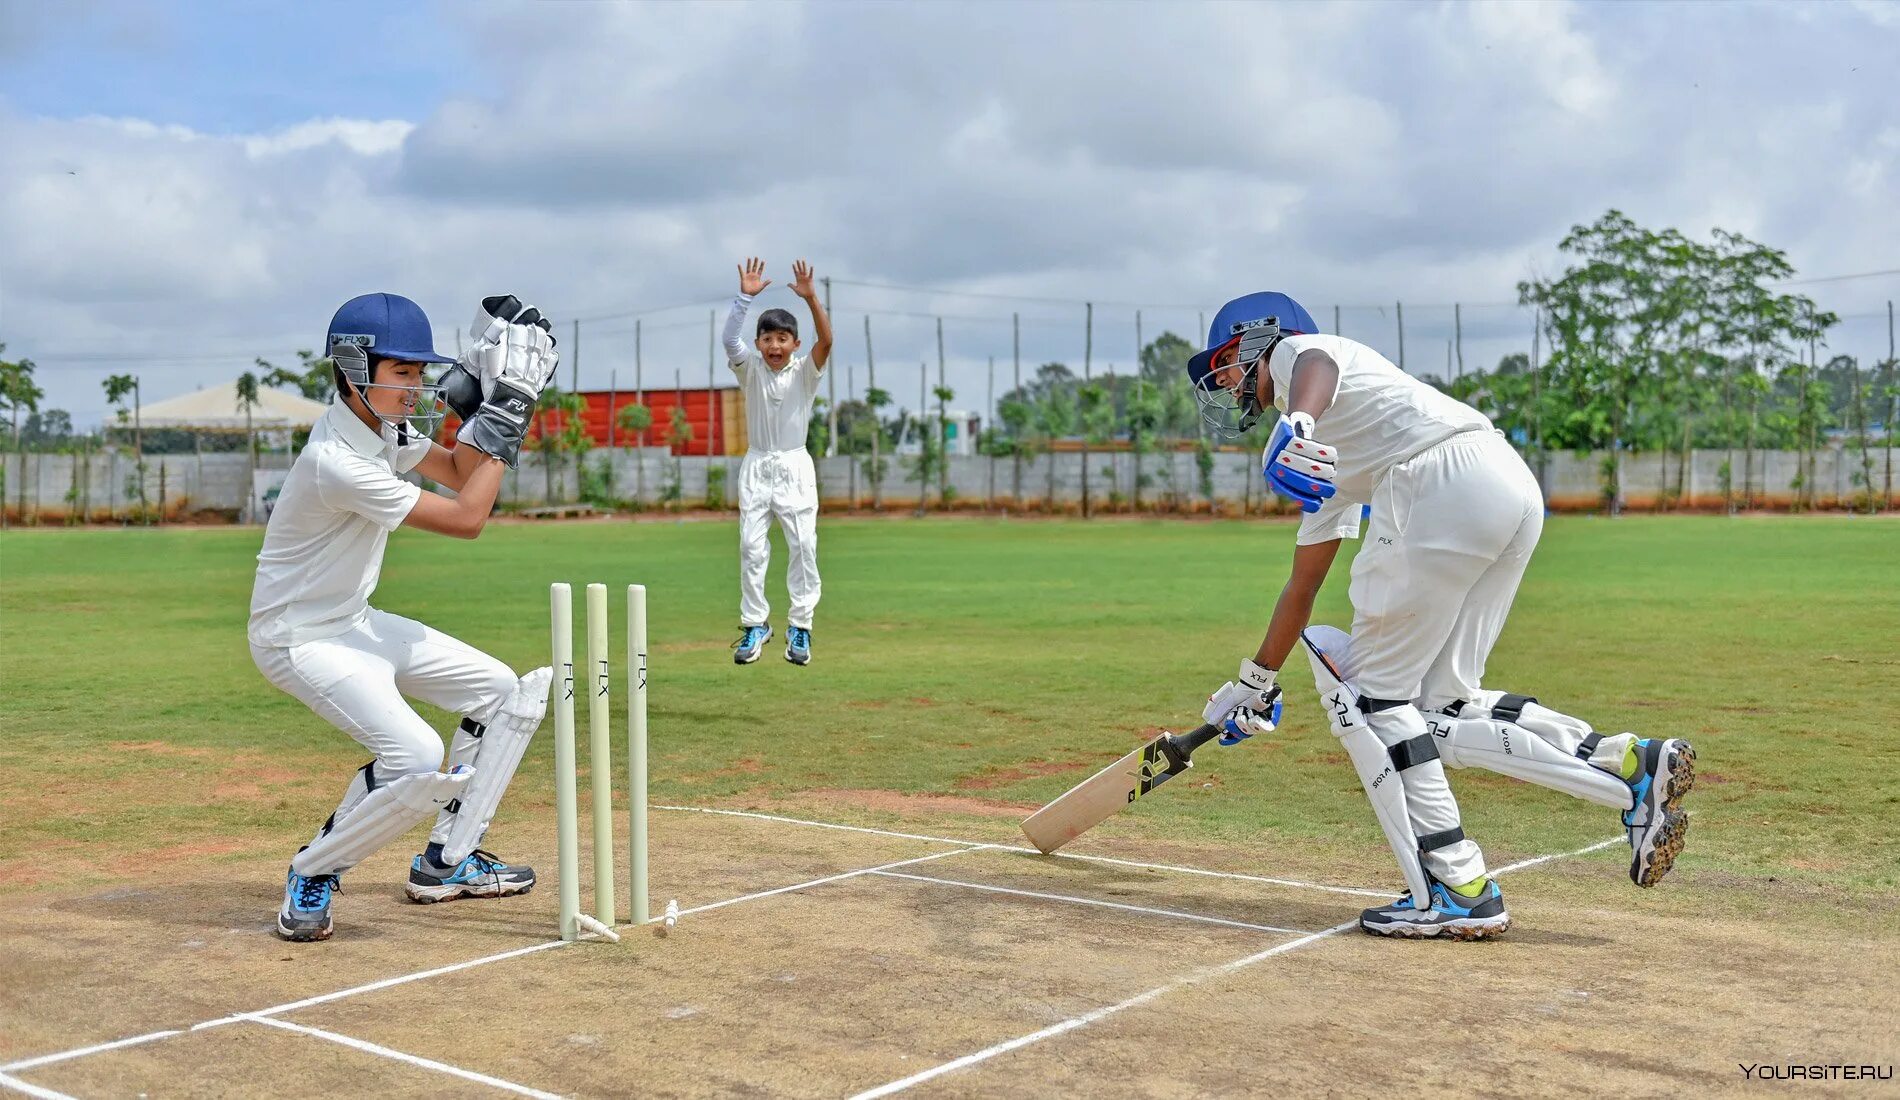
<point>216,409</point>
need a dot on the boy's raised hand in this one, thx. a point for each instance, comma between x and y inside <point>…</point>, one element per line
<point>752,278</point>
<point>802,281</point>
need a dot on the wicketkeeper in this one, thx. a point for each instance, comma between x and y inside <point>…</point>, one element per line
<point>1455,516</point>
<point>314,635</point>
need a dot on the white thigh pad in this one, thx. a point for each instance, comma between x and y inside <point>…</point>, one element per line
<point>503,742</point>
<point>1370,758</point>
<point>383,815</point>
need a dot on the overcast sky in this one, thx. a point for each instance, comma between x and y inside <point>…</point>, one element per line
<point>185,186</point>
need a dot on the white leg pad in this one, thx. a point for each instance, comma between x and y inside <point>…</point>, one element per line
<point>1329,649</point>
<point>1521,754</point>
<point>383,815</point>
<point>503,743</point>
<point>1559,729</point>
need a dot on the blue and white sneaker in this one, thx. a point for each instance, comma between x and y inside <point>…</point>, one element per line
<point>1451,915</point>
<point>306,912</point>
<point>798,645</point>
<point>481,874</point>
<point>1657,824</point>
<point>746,650</point>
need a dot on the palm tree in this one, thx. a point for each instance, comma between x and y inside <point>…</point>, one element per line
<point>247,402</point>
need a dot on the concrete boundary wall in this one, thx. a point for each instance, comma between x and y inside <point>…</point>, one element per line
<point>55,486</point>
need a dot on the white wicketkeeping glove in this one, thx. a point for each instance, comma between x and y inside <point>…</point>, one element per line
<point>1244,706</point>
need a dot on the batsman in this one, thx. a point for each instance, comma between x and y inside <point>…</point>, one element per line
<point>1455,515</point>
<point>314,635</point>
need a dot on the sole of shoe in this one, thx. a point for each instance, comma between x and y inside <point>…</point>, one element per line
<point>303,935</point>
<point>805,660</point>
<point>742,658</point>
<point>430,895</point>
<point>1466,930</point>
<point>1681,767</point>
<point>1657,854</point>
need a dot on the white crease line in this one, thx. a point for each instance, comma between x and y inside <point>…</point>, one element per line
<point>99,1048</point>
<point>307,1002</point>
<point>10,1082</point>
<point>814,824</point>
<point>1523,863</point>
<point>878,870</point>
<point>411,1059</point>
<point>1176,913</point>
<point>1354,890</point>
<point>1143,998</point>
<point>1100,1013</point>
<point>403,979</point>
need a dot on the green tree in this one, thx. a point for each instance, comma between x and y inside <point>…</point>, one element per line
<point>1095,409</point>
<point>247,396</point>
<point>679,433</point>
<point>874,470</point>
<point>314,376</point>
<point>18,391</point>
<point>1019,418</point>
<point>637,418</point>
<point>1055,419</point>
<point>118,387</point>
<point>944,396</point>
<point>1144,422</point>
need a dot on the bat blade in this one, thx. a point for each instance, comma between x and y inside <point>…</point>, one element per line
<point>1113,789</point>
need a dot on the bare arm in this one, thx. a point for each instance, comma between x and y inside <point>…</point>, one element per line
<point>450,467</point>
<point>802,286</point>
<point>1312,384</point>
<point>465,515</point>
<point>1295,607</point>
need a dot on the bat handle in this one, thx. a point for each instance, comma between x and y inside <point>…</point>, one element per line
<point>1188,742</point>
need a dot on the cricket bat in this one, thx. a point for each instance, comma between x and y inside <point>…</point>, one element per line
<point>1113,788</point>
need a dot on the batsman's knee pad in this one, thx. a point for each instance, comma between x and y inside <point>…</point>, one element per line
<point>503,740</point>
<point>382,815</point>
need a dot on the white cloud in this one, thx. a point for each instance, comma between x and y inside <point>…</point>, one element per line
<point>356,135</point>
<point>626,156</point>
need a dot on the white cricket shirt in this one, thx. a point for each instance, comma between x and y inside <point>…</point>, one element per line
<point>323,547</point>
<point>777,403</point>
<point>1380,417</point>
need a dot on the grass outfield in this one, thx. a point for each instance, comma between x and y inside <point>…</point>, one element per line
<point>968,667</point>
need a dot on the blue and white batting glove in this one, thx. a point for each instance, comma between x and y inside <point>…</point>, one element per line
<point>1244,706</point>
<point>1298,466</point>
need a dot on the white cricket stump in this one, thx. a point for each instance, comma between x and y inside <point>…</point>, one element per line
<point>600,923</point>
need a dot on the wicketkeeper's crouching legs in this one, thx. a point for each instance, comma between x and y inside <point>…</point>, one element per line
<point>357,682</point>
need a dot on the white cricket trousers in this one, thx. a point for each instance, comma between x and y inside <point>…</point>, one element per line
<point>782,484</point>
<point>356,681</point>
<point>1451,532</point>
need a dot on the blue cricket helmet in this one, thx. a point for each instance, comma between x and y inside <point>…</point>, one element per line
<point>387,326</point>
<point>1237,315</point>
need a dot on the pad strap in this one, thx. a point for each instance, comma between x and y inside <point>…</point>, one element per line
<point>1431,842</point>
<point>1510,707</point>
<point>1410,753</point>
<point>1369,705</point>
<point>1588,746</point>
